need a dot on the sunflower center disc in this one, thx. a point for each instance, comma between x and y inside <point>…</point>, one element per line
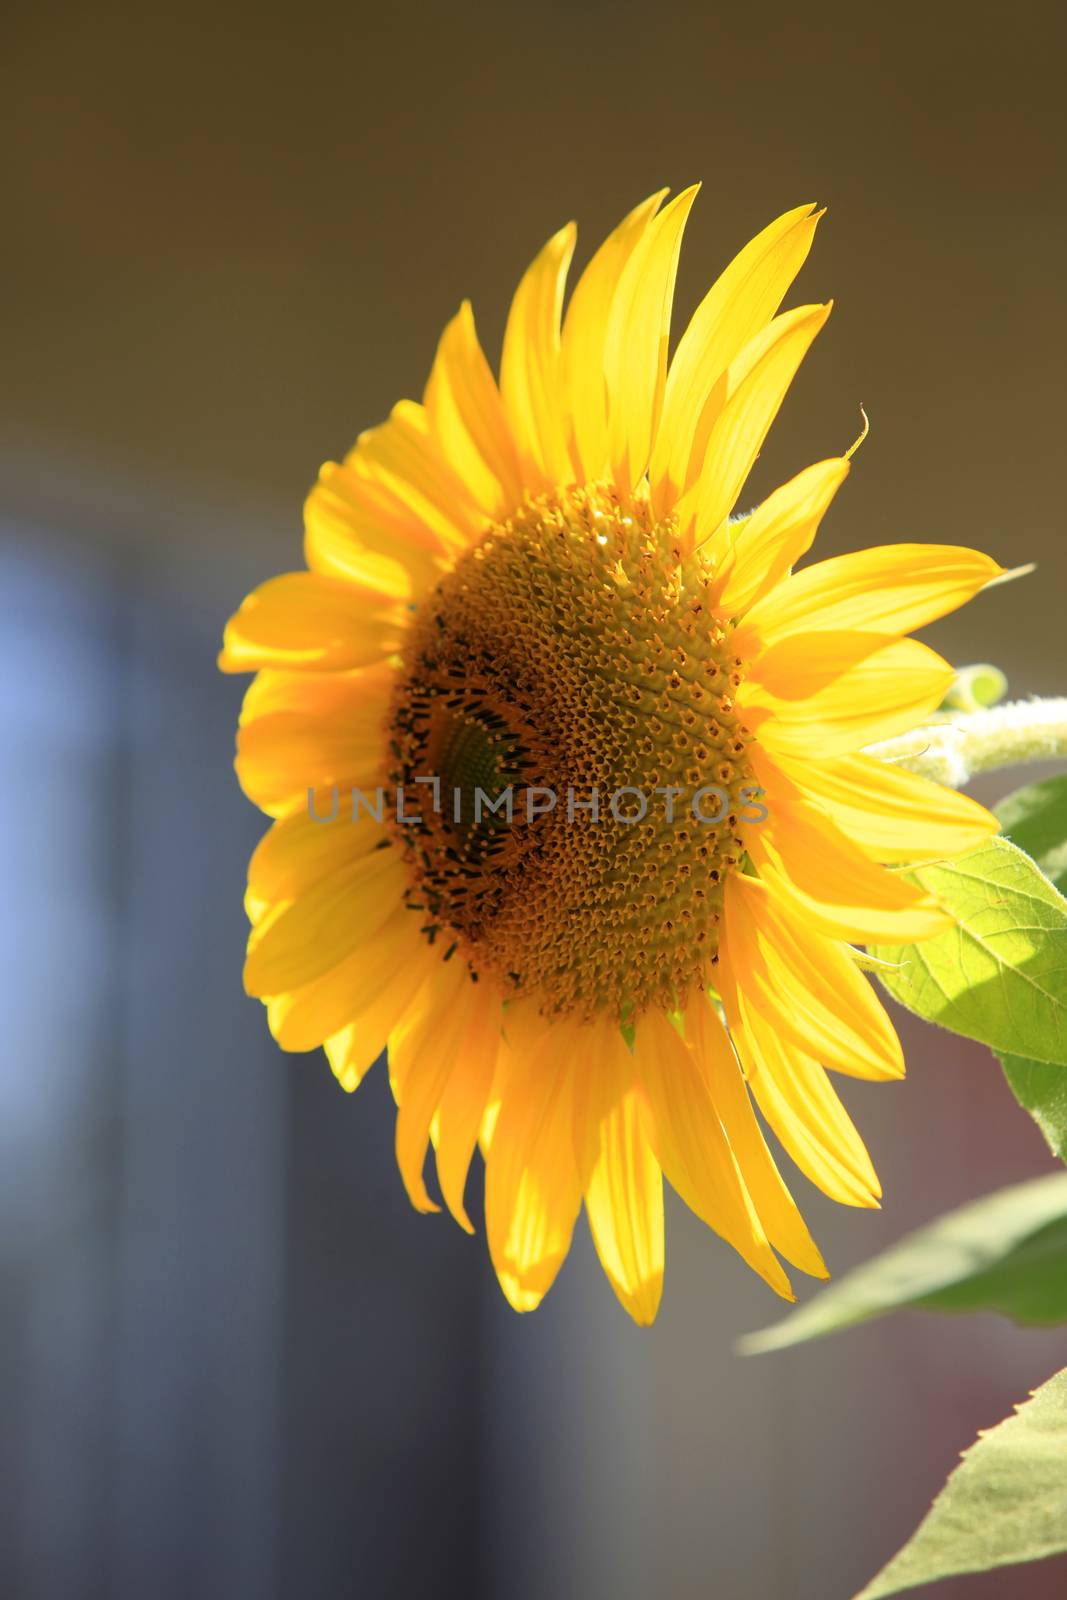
<point>569,655</point>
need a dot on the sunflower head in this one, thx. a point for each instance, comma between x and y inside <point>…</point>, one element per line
<point>572,654</point>
<point>572,810</point>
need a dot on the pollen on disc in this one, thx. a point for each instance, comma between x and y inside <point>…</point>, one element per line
<point>572,649</point>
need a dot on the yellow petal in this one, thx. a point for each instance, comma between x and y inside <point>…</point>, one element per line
<point>607,1075</point>
<point>624,1203</point>
<point>532,1193</point>
<point>739,430</point>
<point>354,1049</point>
<point>890,589</point>
<point>360,989</point>
<point>583,348</point>
<point>367,569</point>
<point>618,1172</point>
<point>323,926</point>
<point>773,538</point>
<point>302,731</point>
<point>304,621</point>
<point>738,305</point>
<point>359,530</point>
<point>467,419</point>
<point>785,1227</point>
<point>462,1106</point>
<point>893,689</point>
<point>894,815</point>
<point>636,338</point>
<point>806,985</point>
<point>351,1054</point>
<point>297,852</point>
<point>819,874</point>
<point>691,1147</point>
<point>798,1101</point>
<point>798,668</point>
<point>402,457</point>
<point>349,1062</point>
<point>427,1047</point>
<point>530,376</point>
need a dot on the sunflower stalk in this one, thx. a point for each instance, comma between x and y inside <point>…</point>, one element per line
<point>953,752</point>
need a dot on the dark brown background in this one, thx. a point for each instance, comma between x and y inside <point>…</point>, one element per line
<point>239,1365</point>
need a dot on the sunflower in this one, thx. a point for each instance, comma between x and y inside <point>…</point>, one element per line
<point>572,810</point>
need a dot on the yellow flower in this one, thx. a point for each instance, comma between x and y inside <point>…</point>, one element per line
<point>537,589</point>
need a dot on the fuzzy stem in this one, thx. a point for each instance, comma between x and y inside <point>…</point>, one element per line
<point>980,741</point>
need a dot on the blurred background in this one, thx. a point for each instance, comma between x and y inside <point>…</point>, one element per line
<point>235,1362</point>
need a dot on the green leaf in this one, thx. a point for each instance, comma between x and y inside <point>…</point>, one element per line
<point>1005,1503</point>
<point>1006,1252</point>
<point>1041,1089</point>
<point>1000,975</point>
<point>1035,818</point>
